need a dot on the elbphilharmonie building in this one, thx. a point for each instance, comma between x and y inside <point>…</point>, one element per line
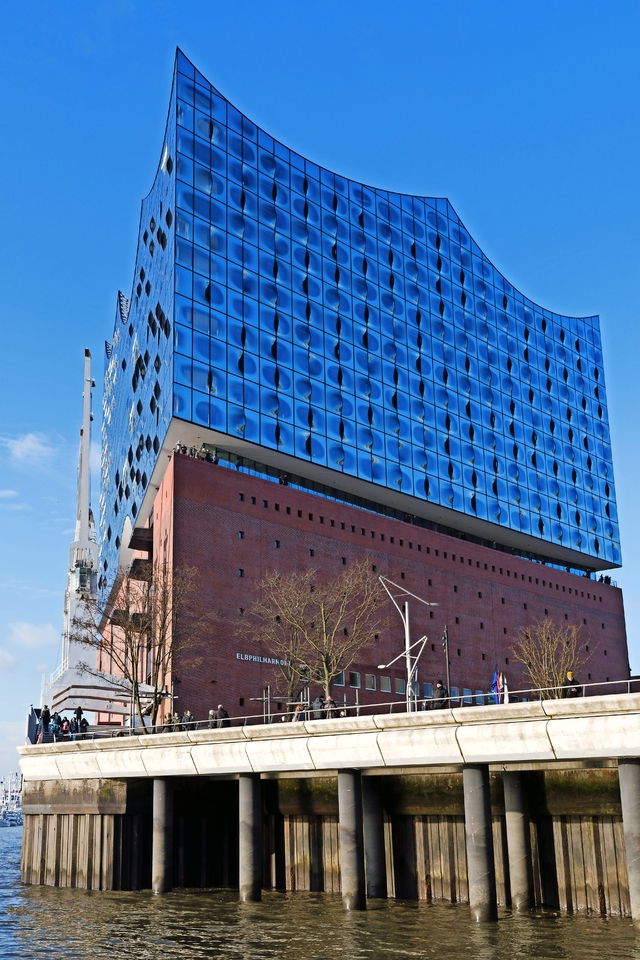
<point>350,342</point>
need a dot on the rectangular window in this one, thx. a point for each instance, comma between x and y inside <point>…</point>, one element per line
<point>370,681</point>
<point>276,544</point>
<point>339,680</point>
<point>455,693</point>
<point>354,680</point>
<point>277,506</point>
<point>401,686</point>
<point>241,496</point>
<point>427,690</point>
<point>265,503</point>
<point>385,684</point>
<point>241,572</point>
<point>240,534</point>
<point>310,553</point>
<point>289,510</point>
<point>466,696</point>
<point>479,698</point>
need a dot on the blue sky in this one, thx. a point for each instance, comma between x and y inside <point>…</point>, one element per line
<point>524,114</point>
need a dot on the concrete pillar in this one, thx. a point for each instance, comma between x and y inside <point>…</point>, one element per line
<point>162,842</point>
<point>250,851</point>
<point>518,841</point>
<point>629,778</point>
<point>374,857</point>
<point>351,839</point>
<point>477,828</point>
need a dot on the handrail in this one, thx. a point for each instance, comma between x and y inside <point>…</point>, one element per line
<point>347,709</point>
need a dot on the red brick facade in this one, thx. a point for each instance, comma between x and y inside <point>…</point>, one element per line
<point>484,595</point>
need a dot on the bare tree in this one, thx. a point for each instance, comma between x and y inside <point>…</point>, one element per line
<point>151,615</point>
<point>317,627</point>
<point>548,652</point>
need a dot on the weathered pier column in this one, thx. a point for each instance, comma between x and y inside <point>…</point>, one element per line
<point>374,854</point>
<point>162,841</point>
<point>250,878</point>
<point>479,837</point>
<point>629,779</point>
<point>518,841</point>
<point>351,839</point>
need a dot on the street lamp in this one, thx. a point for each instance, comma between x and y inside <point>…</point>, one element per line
<point>410,660</point>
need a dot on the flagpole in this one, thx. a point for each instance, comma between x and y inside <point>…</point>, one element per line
<point>445,644</point>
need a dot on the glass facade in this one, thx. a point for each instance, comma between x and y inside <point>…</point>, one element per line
<point>353,329</point>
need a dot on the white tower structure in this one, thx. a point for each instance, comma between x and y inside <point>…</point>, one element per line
<point>70,685</point>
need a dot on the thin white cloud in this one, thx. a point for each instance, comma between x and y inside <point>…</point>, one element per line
<point>17,507</point>
<point>7,661</point>
<point>6,494</point>
<point>32,635</point>
<point>28,448</point>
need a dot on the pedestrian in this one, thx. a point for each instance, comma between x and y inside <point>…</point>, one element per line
<point>167,726</point>
<point>45,716</point>
<point>330,710</point>
<point>64,727</point>
<point>177,723</point>
<point>317,708</point>
<point>222,717</point>
<point>570,686</point>
<point>298,713</point>
<point>440,696</point>
<point>73,728</point>
<point>84,728</point>
<point>78,714</point>
<point>188,720</point>
<point>212,719</point>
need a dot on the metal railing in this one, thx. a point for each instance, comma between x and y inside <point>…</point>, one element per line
<point>489,698</point>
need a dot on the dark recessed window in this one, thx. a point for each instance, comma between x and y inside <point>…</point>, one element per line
<point>276,544</point>
<point>457,619</point>
<point>479,595</point>
<point>241,572</point>
<point>310,553</point>
<point>241,496</point>
<point>344,561</point>
<point>240,534</point>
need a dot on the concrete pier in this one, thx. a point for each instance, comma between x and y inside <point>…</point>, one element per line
<point>162,838</point>
<point>351,839</point>
<point>518,840</point>
<point>374,855</point>
<point>629,778</point>
<point>479,838</point>
<point>250,837</point>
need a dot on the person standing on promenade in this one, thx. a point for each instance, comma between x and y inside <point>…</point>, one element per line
<point>222,717</point>
<point>440,696</point>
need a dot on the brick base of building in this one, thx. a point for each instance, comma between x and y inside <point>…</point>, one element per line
<point>234,527</point>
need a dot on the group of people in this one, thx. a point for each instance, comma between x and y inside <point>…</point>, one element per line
<point>177,722</point>
<point>53,726</point>
<point>319,709</point>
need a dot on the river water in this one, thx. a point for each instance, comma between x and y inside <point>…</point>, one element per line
<point>38,922</point>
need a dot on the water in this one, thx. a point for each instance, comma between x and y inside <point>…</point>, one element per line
<point>39,922</point>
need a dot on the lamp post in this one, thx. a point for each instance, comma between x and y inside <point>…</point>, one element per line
<point>411,660</point>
